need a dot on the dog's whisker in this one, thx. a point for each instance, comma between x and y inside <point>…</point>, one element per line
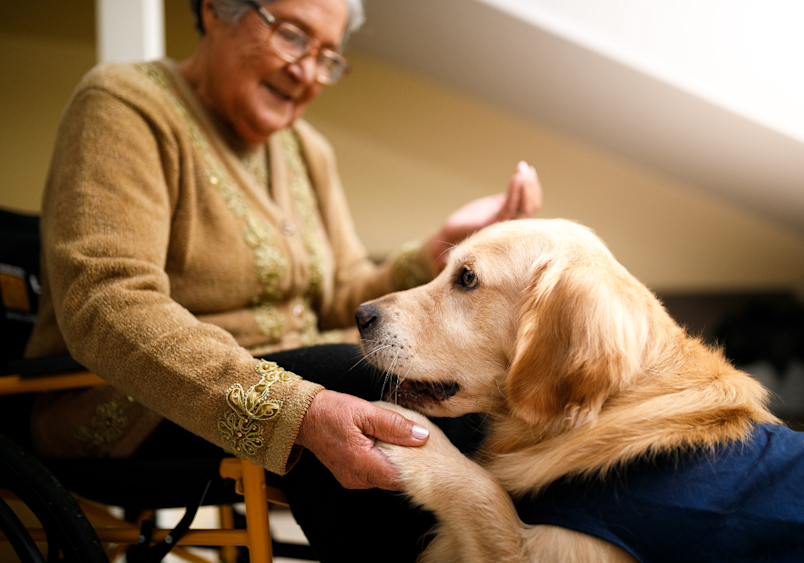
<point>403,378</point>
<point>410,367</point>
<point>374,351</point>
<point>392,365</point>
<point>365,357</point>
<point>372,342</point>
<point>450,246</point>
<point>400,379</point>
<point>388,373</point>
<point>385,381</point>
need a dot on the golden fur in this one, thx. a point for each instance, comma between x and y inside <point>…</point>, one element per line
<point>578,366</point>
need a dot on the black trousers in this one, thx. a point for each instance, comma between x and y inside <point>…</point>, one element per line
<point>341,524</point>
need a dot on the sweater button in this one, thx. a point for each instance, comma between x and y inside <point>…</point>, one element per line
<point>298,309</point>
<point>287,227</point>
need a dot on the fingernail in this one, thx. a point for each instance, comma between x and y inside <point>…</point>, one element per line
<point>523,166</point>
<point>420,432</point>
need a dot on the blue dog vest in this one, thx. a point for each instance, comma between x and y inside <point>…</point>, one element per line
<point>742,503</point>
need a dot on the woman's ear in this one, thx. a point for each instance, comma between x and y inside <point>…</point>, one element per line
<point>209,16</point>
<point>578,341</point>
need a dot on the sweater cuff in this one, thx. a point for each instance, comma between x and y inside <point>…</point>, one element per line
<point>261,423</point>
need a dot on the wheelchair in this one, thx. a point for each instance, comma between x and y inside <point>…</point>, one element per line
<point>69,500</point>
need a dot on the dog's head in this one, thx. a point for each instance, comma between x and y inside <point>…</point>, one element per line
<point>535,316</point>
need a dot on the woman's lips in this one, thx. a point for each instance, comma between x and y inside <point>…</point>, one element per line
<point>278,93</point>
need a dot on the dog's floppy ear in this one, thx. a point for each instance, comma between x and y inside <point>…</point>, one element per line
<point>580,338</point>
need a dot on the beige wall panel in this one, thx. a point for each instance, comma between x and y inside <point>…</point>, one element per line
<point>39,75</point>
<point>410,151</point>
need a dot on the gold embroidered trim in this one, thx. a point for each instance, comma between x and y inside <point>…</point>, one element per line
<point>108,427</point>
<point>269,263</point>
<point>243,434</point>
<point>239,431</point>
<point>304,206</point>
<point>270,322</point>
<point>256,164</point>
<point>406,271</point>
<point>154,74</point>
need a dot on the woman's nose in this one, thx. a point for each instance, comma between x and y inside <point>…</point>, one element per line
<point>306,69</point>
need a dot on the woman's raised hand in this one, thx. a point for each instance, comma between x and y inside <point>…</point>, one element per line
<point>522,199</point>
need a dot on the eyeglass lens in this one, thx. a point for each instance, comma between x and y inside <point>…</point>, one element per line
<point>295,44</point>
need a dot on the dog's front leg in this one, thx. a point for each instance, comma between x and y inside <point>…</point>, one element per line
<point>477,520</point>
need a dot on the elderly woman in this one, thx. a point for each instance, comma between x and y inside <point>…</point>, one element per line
<point>194,227</point>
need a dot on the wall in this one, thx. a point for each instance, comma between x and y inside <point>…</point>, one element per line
<point>410,151</point>
<point>737,53</point>
<point>43,55</point>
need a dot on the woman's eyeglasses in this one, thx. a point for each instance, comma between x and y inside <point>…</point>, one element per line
<point>291,44</point>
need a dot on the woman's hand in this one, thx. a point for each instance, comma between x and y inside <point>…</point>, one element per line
<point>340,430</point>
<point>523,199</point>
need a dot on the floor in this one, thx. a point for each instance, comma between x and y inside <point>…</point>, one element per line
<point>283,528</point>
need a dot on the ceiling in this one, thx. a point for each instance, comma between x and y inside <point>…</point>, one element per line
<point>532,69</point>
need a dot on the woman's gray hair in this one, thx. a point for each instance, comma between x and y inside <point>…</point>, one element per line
<point>233,10</point>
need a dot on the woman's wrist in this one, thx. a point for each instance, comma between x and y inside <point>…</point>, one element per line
<point>307,431</point>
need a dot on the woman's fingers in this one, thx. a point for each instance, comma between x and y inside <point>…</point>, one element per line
<point>524,196</point>
<point>340,430</point>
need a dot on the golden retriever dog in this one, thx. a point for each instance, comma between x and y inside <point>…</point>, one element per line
<point>583,375</point>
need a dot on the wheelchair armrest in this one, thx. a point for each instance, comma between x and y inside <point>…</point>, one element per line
<point>50,373</point>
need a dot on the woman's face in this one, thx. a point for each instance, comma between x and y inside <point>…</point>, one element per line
<point>248,84</point>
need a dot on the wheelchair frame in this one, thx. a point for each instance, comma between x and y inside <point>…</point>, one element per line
<point>250,482</point>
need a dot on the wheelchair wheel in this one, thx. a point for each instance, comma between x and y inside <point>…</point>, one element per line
<point>70,537</point>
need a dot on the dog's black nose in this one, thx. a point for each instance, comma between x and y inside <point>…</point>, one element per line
<point>365,315</point>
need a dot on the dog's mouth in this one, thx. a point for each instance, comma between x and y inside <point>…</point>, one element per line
<point>417,392</point>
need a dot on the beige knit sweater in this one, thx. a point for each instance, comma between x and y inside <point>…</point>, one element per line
<point>173,252</point>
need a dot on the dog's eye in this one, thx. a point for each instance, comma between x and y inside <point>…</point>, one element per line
<point>467,278</point>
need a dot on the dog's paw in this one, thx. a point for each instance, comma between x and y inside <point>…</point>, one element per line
<point>423,468</point>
